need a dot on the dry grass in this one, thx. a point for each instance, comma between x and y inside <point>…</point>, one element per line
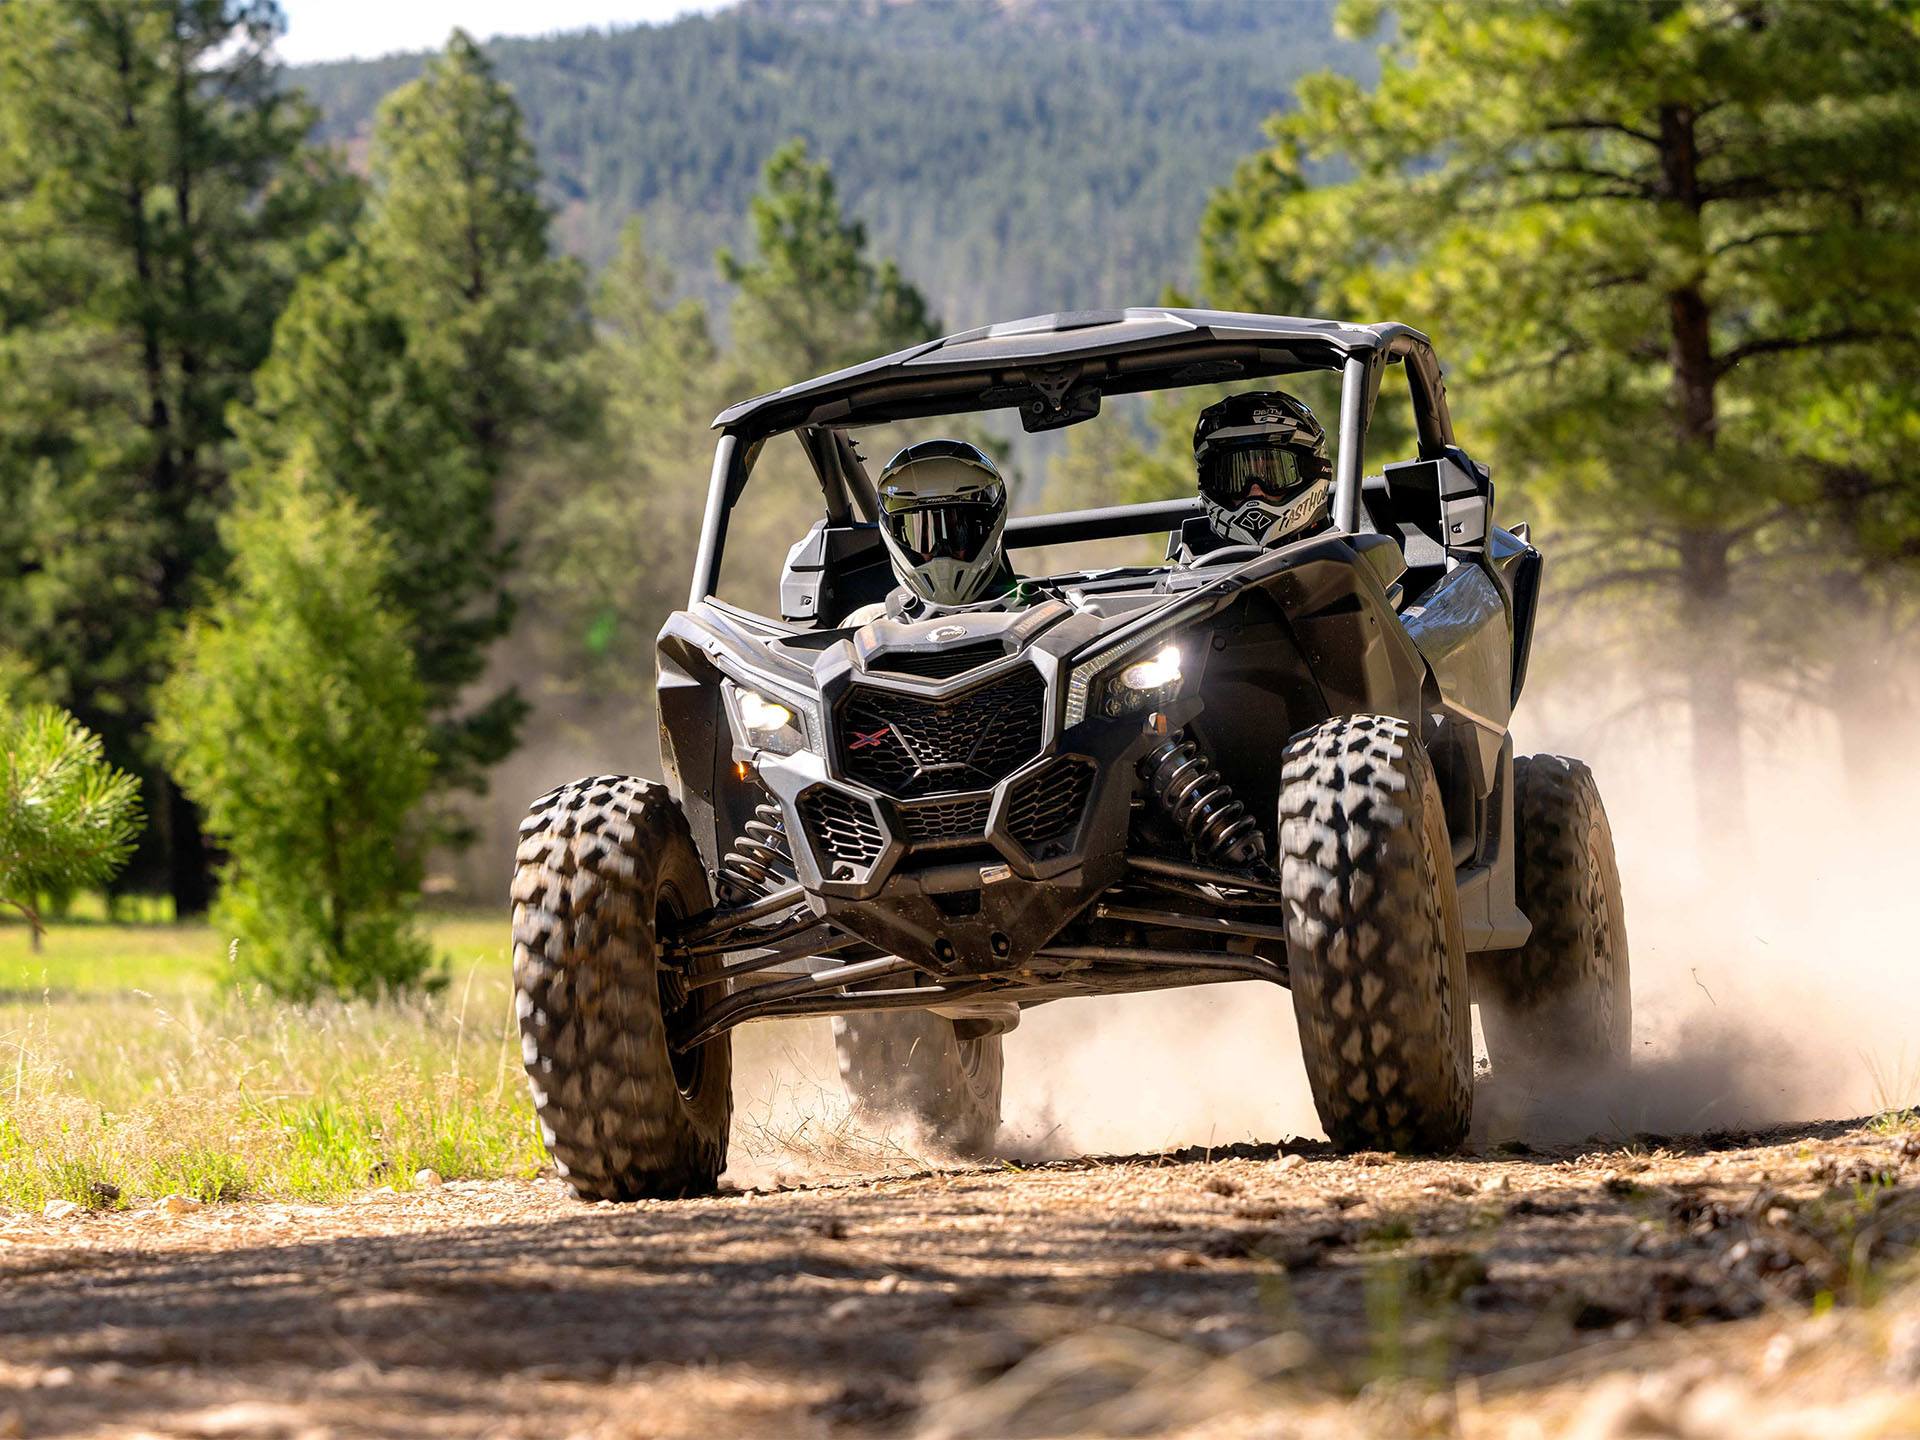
<point>132,1067</point>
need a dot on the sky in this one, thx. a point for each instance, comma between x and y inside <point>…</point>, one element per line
<point>350,29</point>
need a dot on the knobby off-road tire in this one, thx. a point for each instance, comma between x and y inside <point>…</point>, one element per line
<point>911,1065</point>
<point>1563,1002</point>
<point>1374,939</point>
<point>603,863</point>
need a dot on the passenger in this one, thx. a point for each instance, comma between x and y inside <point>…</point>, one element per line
<point>1263,471</point>
<point>943,519</point>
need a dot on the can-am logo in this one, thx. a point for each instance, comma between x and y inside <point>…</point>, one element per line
<point>941,633</point>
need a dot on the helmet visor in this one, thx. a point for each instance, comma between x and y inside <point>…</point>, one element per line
<point>959,529</point>
<point>1228,476</point>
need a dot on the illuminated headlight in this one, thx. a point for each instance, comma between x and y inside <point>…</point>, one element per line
<point>1155,673</point>
<point>768,725</point>
<point>1115,685</point>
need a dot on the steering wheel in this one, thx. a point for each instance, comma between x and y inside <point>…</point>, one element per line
<point>1225,555</point>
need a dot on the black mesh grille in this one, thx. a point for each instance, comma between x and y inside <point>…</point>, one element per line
<point>948,819</point>
<point>907,746</point>
<point>1047,805</point>
<point>939,664</point>
<point>841,827</point>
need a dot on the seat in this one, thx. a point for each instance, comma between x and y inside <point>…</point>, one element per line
<point>833,570</point>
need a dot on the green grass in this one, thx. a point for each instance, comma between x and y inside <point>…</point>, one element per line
<point>132,1065</point>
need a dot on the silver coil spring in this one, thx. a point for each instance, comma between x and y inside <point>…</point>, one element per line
<point>1202,804</point>
<point>760,861</point>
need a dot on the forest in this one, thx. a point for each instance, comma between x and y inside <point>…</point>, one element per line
<point>354,419</point>
<point>1063,164</point>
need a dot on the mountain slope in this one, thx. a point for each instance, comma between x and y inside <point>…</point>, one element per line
<point>1016,156</point>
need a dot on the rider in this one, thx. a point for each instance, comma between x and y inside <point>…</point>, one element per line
<point>1263,470</point>
<point>943,519</point>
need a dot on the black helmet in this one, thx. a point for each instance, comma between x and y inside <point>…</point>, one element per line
<point>1264,474</point>
<point>943,513</point>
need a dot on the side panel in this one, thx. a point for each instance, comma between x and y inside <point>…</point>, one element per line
<point>1519,566</point>
<point>1460,626</point>
<point>1313,640</point>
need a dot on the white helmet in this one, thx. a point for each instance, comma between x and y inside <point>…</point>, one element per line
<point>943,516</point>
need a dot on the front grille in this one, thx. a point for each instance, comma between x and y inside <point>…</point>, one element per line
<point>841,827</point>
<point>906,746</point>
<point>1046,805</point>
<point>939,664</point>
<point>948,819</point>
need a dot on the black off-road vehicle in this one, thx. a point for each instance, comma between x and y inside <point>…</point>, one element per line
<point>1288,765</point>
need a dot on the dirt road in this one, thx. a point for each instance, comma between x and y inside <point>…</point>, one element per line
<point>1253,1291</point>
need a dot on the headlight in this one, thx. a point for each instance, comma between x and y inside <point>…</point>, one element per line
<point>1142,677</point>
<point>1156,673</point>
<point>767,724</point>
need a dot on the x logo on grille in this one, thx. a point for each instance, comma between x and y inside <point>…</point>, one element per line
<point>868,740</point>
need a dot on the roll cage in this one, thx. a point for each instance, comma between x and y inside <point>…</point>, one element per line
<point>1055,369</point>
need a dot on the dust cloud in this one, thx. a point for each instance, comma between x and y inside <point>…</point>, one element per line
<point>1775,979</point>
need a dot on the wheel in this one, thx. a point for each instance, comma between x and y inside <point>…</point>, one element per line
<point>1374,940</point>
<point>1563,1002</point>
<point>912,1064</point>
<point>603,864</point>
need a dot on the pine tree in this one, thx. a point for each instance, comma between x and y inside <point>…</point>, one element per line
<point>424,367</point>
<point>158,199</point>
<point>811,299</point>
<point>1657,241</point>
<point>293,717</point>
<point>611,525</point>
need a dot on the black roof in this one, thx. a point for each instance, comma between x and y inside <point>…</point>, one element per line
<point>1113,351</point>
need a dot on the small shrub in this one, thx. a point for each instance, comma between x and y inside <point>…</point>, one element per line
<point>294,719</point>
<point>68,819</point>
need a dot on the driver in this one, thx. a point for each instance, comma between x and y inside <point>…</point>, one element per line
<point>943,519</point>
<point>1263,471</point>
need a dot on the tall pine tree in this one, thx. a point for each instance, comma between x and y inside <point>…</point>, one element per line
<point>1666,245</point>
<point>158,200</point>
<point>423,368</point>
<point>611,524</point>
<point>811,299</point>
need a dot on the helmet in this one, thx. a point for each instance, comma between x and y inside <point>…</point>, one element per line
<point>943,511</point>
<point>1264,475</point>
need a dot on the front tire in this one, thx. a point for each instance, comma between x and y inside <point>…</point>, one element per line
<point>1563,1002</point>
<point>604,863</point>
<point>912,1065</point>
<point>1374,940</point>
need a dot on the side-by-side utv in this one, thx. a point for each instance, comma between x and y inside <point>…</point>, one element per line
<point>1288,765</point>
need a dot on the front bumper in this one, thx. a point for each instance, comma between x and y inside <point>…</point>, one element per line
<point>967,881</point>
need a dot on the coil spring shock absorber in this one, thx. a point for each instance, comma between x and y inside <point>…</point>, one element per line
<point>760,861</point>
<point>1202,804</point>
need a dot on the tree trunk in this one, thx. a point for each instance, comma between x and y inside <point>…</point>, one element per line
<point>1713,671</point>
<point>189,862</point>
<point>1713,694</point>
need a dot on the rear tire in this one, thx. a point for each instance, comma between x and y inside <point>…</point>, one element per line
<point>1374,940</point>
<point>602,863</point>
<point>912,1065</point>
<point>1564,1000</point>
